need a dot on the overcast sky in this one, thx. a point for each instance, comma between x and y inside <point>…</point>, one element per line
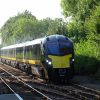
<point>39,8</point>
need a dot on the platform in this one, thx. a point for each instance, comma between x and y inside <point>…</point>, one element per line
<point>10,97</point>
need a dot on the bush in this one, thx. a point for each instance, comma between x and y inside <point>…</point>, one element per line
<point>87,57</point>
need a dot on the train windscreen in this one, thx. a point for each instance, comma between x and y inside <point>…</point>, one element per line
<point>59,48</point>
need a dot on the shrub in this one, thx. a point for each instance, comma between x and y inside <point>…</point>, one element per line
<point>87,57</point>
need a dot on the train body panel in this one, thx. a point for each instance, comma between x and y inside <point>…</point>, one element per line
<point>51,57</point>
<point>60,61</point>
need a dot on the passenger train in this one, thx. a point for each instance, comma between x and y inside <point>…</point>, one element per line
<point>48,58</point>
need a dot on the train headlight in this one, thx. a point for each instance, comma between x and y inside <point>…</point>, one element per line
<point>48,61</point>
<point>73,60</point>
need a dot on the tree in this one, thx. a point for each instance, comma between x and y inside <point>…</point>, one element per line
<point>19,28</point>
<point>80,10</point>
<point>25,26</point>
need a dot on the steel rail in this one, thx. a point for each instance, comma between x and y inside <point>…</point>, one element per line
<point>11,89</point>
<point>19,79</point>
<point>68,91</point>
<point>87,88</point>
<point>93,91</point>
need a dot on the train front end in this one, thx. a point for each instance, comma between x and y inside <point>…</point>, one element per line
<point>59,57</point>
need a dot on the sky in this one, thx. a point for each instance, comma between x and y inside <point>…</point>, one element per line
<point>39,8</point>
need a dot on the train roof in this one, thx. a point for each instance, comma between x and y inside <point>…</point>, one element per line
<point>52,38</point>
<point>56,38</point>
<point>28,43</point>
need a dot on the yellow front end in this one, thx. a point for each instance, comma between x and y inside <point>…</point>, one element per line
<point>60,61</point>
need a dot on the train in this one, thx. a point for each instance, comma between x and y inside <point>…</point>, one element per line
<point>50,58</point>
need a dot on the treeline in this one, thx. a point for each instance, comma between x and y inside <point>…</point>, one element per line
<point>25,26</point>
<point>85,31</point>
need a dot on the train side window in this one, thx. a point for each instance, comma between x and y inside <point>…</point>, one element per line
<point>39,52</point>
<point>10,53</point>
<point>32,52</point>
<point>28,52</point>
<point>19,53</point>
<point>36,51</point>
<point>3,52</point>
<point>6,52</point>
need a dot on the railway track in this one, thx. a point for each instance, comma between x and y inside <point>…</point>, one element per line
<point>26,92</point>
<point>50,95</point>
<point>58,92</point>
<point>18,86</point>
<point>75,91</point>
<point>6,89</point>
